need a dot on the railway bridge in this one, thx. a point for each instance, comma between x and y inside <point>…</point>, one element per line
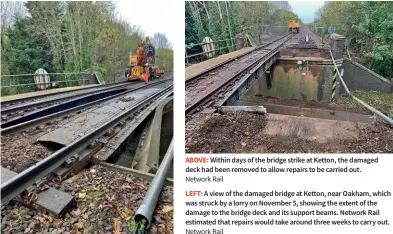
<point>302,86</point>
<point>124,127</point>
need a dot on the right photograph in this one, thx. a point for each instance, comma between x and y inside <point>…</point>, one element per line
<point>265,77</point>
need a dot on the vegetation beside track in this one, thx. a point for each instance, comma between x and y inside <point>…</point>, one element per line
<point>222,20</point>
<point>106,202</point>
<point>368,27</point>
<point>378,100</point>
<point>66,37</point>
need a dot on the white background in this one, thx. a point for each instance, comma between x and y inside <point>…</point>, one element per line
<point>372,179</point>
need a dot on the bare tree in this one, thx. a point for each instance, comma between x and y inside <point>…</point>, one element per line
<point>10,11</point>
<point>47,21</point>
<point>160,41</point>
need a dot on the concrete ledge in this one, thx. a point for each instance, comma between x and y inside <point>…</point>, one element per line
<point>311,112</point>
<point>6,174</point>
<point>369,71</point>
<point>55,202</point>
<point>251,109</point>
<point>311,60</point>
<point>45,92</point>
<point>201,67</point>
<point>313,129</point>
<point>139,174</point>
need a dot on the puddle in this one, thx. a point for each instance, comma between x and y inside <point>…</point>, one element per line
<point>291,81</point>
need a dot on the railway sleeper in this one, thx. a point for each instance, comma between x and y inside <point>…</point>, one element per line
<point>42,197</point>
<point>51,200</point>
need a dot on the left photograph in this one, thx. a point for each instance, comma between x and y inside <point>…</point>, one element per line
<point>86,118</point>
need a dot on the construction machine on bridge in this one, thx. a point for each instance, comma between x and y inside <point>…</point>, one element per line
<point>294,26</point>
<point>142,64</point>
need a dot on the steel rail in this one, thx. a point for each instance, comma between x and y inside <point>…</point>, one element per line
<point>14,108</point>
<point>54,107</point>
<point>25,99</point>
<point>61,113</point>
<point>234,58</point>
<point>13,187</point>
<point>367,106</point>
<point>146,209</point>
<point>111,85</point>
<point>205,99</point>
<point>42,104</point>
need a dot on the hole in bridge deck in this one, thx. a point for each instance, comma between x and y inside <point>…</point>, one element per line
<point>294,79</point>
<point>301,86</point>
<point>51,145</point>
<point>129,151</point>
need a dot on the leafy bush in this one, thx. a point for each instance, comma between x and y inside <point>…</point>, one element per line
<point>368,27</point>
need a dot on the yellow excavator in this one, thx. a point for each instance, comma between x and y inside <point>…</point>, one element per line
<point>141,65</point>
<point>294,26</point>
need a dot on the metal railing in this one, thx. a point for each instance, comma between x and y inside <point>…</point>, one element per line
<point>23,83</point>
<point>187,56</point>
<point>144,214</point>
<point>367,106</point>
<point>271,31</point>
<point>320,31</point>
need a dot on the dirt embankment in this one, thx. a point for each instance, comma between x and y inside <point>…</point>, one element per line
<point>106,203</point>
<point>244,133</point>
<point>230,133</point>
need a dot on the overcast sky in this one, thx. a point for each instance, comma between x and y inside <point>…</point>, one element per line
<point>306,9</point>
<point>149,15</point>
<point>148,18</point>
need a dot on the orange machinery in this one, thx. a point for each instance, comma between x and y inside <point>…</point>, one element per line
<point>294,26</point>
<point>142,64</point>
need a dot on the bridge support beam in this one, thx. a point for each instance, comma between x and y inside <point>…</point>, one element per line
<point>148,160</point>
<point>245,82</point>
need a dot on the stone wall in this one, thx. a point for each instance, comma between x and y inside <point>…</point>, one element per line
<point>358,77</point>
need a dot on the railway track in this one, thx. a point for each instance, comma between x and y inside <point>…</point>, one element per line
<point>20,114</point>
<point>299,41</point>
<point>85,134</point>
<point>12,110</point>
<point>215,86</point>
<point>8,104</point>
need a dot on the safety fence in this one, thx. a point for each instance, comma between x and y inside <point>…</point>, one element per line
<point>211,49</point>
<point>250,36</point>
<point>262,34</point>
<point>365,105</point>
<point>320,31</point>
<point>23,83</point>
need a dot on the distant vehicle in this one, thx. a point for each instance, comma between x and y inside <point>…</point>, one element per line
<point>142,64</point>
<point>294,26</point>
